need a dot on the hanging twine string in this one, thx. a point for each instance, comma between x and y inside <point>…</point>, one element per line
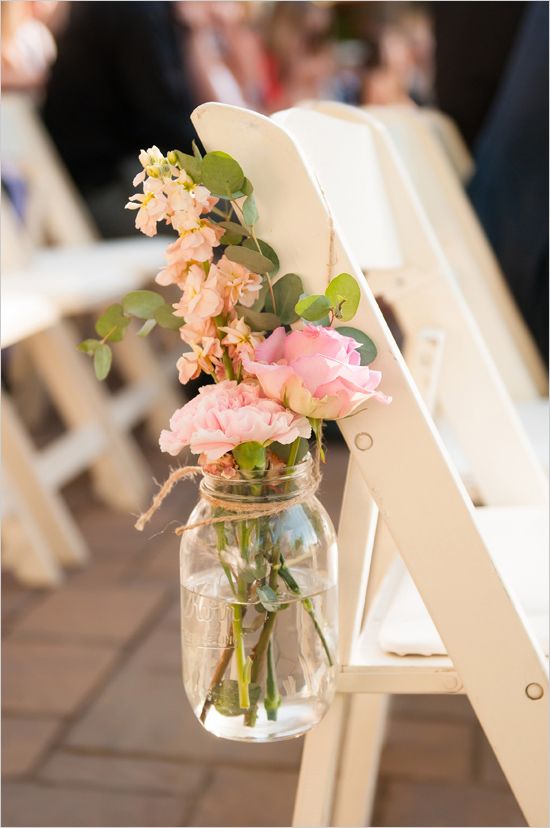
<point>238,510</point>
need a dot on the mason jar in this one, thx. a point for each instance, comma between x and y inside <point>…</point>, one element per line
<point>259,607</point>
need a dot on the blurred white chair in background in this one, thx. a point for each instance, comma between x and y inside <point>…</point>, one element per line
<point>459,557</point>
<point>444,129</point>
<point>78,272</point>
<point>39,533</point>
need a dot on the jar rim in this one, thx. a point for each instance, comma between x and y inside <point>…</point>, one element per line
<point>239,488</point>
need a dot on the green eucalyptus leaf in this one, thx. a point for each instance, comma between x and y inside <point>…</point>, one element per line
<point>234,227</point>
<point>231,238</point>
<point>250,211</point>
<point>189,163</point>
<point>258,321</point>
<point>221,174</point>
<point>225,697</point>
<point>266,251</point>
<point>112,323</point>
<point>103,358</point>
<point>88,346</point>
<point>142,303</point>
<point>167,319</point>
<point>260,301</point>
<point>286,291</point>
<point>247,187</point>
<point>313,308</point>
<point>251,259</point>
<point>196,151</point>
<point>147,327</point>
<point>344,294</point>
<point>269,598</point>
<point>368,350</point>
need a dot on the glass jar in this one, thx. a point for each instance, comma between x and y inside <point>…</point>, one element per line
<point>259,607</point>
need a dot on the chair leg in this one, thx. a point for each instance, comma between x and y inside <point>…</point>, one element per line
<point>360,758</point>
<point>49,526</point>
<point>121,476</point>
<point>316,784</point>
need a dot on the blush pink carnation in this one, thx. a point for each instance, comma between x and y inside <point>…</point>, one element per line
<point>315,372</point>
<point>223,416</point>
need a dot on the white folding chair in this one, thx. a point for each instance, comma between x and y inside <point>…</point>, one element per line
<point>76,270</point>
<point>453,552</point>
<point>389,233</point>
<point>39,532</point>
<point>444,129</point>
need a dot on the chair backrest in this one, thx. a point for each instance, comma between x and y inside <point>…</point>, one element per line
<point>468,254</point>
<point>467,249</point>
<point>54,212</point>
<point>425,295</point>
<point>444,129</point>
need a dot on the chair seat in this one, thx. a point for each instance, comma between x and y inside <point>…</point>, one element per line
<point>534,415</point>
<point>24,315</point>
<point>81,278</point>
<point>518,542</point>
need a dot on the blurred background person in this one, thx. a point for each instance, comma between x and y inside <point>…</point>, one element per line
<point>121,82</point>
<point>28,44</point>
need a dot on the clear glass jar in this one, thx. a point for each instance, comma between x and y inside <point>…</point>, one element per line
<point>259,608</point>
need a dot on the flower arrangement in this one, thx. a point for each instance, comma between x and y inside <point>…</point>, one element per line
<point>281,362</point>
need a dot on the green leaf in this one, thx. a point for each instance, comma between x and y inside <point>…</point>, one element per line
<point>234,227</point>
<point>231,238</point>
<point>103,357</point>
<point>221,174</point>
<point>142,303</point>
<point>189,163</point>
<point>250,211</point>
<point>287,291</point>
<point>283,451</point>
<point>196,151</point>
<point>88,346</point>
<point>225,697</point>
<point>266,251</point>
<point>251,259</point>
<point>167,319</point>
<point>260,301</point>
<point>147,327</point>
<point>289,579</point>
<point>112,324</point>
<point>313,308</point>
<point>344,294</point>
<point>247,187</point>
<point>269,598</point>
<point>368,350</point>
<point>250,456</point>
<point>258,321</point>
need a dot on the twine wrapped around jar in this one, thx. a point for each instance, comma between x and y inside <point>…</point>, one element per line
<point>240,510</point>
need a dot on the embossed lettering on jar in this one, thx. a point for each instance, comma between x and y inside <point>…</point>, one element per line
<point>259,607</point>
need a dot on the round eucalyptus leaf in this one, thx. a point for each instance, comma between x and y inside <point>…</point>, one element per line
<point>344,294</point>
<point>221,174</point>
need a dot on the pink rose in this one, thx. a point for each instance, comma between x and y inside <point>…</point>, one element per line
<point>316,372</point>
<point>223,416</point>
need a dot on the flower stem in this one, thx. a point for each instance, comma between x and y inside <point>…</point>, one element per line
<point>272,700</point>
<point>240,656</point>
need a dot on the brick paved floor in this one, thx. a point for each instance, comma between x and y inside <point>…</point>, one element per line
<point>97,731</point>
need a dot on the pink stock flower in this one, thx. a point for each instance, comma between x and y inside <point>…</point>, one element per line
<point>203,356</point>
<point>240,338</point>
<point>223,416</point>
<point>195,245</point>
<point>240,284</point>
<point>152,157</point>
<point>315,372</point>
<point>151,206</point>
<point>194,332</point>
<point>201,296</point>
